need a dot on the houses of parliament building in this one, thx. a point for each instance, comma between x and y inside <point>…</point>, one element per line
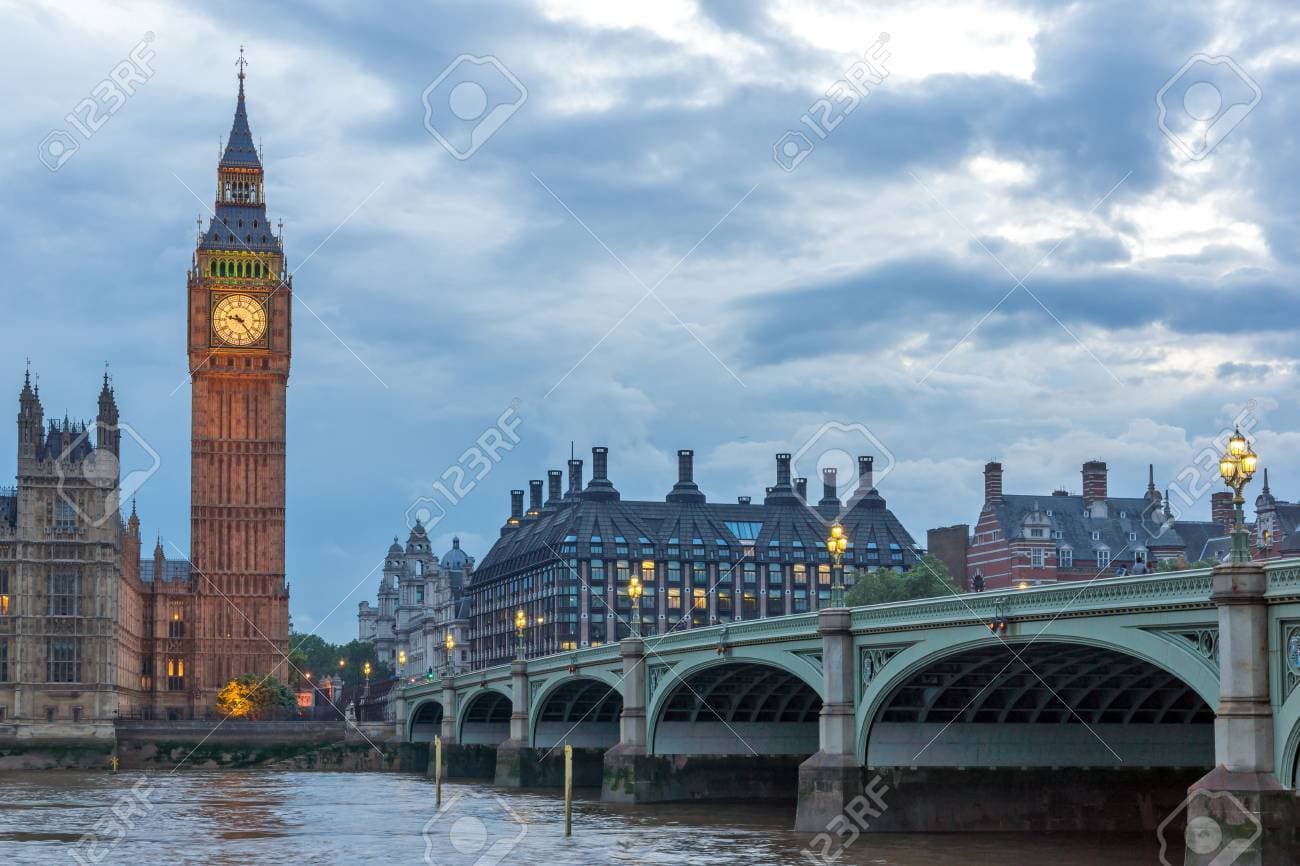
<point>89,629</point>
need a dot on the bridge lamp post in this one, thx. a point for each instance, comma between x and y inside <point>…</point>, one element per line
<point>449,644</point>
<point>401,662</point>
<point>836,543</point>
<point>634,592</point>
<point>521,622</point>
<point>1237,466</point>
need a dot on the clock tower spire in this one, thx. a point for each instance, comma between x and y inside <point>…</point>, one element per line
<point>239,297</point>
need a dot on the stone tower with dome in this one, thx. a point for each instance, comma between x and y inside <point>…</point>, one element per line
<point>421,600</point>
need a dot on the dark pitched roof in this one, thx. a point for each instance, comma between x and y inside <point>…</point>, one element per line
<point>1125,517</point>
<point>782,525</point>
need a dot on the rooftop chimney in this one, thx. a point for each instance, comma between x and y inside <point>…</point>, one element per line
<point>992,483</point>
<point>685,490</point>
<point>742,500</point>
<point>516,512</point>
<point>781,493</point>
<point>554,491</point>
<point>535,497</point>
<point>600,486</point>
<point>575,478</point>
<point>866,480</point>
<point>1221,510</point>
<point>830,495</point>
<point>783,470</point>
<point>801,488</point>
<point>1094,481</point>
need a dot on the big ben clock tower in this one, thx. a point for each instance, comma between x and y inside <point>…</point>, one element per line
<point>239,298</point>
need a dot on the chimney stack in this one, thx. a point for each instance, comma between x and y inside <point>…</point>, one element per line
<point>866,480</point>
<point>742,500</point>
<point>830,495</point>
<point>685,490</point>
<point>600,487</point>
<point>992,483</point>
<point>554,492</point>
<point>783,470</point>
<point>534,497</point>
<point>801,488</point>
<point>1094,481</point>
<point>1221,509</point>
<point>575,478</point>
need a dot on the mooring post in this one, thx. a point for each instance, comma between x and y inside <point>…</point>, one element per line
<point>437,772</point>
<point>568,790</point>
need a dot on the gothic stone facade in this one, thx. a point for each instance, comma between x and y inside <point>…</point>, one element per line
<point>421,600</point>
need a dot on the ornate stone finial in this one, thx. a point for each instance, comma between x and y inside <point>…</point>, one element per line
<point>241,63</point>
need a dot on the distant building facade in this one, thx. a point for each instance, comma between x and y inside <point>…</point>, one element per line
<point>421,600</point>
<point>1025,540</point>
<point>567,559</point>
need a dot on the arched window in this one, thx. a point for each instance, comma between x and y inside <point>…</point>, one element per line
<point>212,268</point>
<point>223,269</point>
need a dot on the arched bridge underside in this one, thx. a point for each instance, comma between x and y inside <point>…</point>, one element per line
<point>485,719</point>
<point>1032,705</point>
<point>738,708</point>
<point>426,722</point>
<point>582,712</point>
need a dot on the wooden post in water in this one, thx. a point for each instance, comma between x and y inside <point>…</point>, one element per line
<point>437,772</point>
<point>568,790</point>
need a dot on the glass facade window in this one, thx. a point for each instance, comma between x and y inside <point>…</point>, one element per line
<point>824,575</point>
<point>674,598</point>
<point>774,576</point>
<point>4,659</point>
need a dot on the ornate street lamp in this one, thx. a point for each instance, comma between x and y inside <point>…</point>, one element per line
<point>836,544</point>
<point>1237,466</point>
<point>521,621</point>
<point>401,662</point>
<point>449,644</point>
<point>634,591</point>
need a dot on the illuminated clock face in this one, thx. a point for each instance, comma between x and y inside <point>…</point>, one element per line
<point>239,320</point>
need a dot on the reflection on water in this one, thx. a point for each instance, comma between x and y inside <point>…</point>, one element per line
<point>264,817</point>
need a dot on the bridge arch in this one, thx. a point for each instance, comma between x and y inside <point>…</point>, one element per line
<point>736,706</point>
<point>976,703</point>
<point>424,721</point>
<point>484,717</point>
<point>581,710</point>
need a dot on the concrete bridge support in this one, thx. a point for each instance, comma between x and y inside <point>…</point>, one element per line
<point>449,712</point>
<point>515,755</point>
<point>832,778</point>
<point>624,779</point>
<point>1241,798</point>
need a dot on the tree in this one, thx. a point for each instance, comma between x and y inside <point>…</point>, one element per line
<point>1180,563</point>
<point>252,696</point>
<point>928,578</point>
<point>314,655</point>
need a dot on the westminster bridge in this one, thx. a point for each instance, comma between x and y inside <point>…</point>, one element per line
<point>1073,706</point>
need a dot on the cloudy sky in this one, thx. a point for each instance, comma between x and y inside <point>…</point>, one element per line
<point>992,250</point>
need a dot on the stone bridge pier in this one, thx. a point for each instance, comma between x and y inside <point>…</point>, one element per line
<point>832,778</point>
<point>1241,797</point>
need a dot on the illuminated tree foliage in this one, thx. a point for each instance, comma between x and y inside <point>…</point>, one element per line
<point>253,697</point>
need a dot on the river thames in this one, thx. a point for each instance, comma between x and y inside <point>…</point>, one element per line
<point>268,817</point>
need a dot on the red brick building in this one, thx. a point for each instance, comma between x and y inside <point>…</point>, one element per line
<point>1025,540</point>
